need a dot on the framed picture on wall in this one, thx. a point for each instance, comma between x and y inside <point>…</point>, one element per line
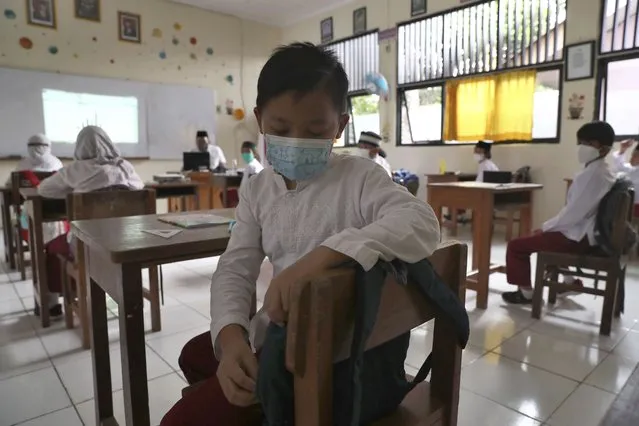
<point>359,20</point>
<point>41,13</point>
<point>326,30</point>
<point>87,9</point>
<point>417,7</point>
<point>580,61</point>
<point>129,27</point>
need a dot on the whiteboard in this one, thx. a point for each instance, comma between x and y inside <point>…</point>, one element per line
<point>169,115</point>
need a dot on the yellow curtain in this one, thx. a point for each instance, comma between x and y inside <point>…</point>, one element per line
<point>497,107</point>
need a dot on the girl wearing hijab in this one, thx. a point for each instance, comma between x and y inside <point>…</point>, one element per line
<point>97,165</point>
<point>39,157</point>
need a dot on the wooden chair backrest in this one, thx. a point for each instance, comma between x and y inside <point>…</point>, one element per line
<point>319,333</point>
<point>18,182</point>
<point>109,203</point>
<point>624,214</point>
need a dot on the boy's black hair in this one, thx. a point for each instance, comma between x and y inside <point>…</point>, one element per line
<point>599,131</point>
<point>202,134</point>
<point>486,146</point>
<point>250,145</point>
<point>302,68</point>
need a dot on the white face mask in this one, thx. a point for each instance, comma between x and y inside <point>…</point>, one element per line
<point>586,154</point>
<point>478,158</point>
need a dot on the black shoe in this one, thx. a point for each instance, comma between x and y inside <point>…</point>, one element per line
<point>516,298</point>
<point>54,311</point>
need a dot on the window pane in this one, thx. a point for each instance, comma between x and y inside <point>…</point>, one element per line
<point>546,105</point>
<point>359,56</point>
<point>365,114</point>
<point>622,91</point>
<point>424,109</point>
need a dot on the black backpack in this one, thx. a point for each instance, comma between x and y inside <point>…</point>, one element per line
<point>607,214</point>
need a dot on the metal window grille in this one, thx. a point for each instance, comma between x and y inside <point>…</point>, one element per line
<point>360,56</point>
<point>489,36</point>
<point>619,26</point>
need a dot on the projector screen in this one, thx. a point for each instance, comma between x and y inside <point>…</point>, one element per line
<point>66,113</point>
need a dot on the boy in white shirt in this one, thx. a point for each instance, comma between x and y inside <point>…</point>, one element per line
<point>370,141</point>
<point>204,144</point>
<point>483,157</point>
<point>572,230</point>
<point>252,160</point>
<point>308,212</point>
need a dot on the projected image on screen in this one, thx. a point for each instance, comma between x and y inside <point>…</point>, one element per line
<point>66,113</point>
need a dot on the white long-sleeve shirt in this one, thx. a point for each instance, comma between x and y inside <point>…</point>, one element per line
<point>577,218</point>
<point>385,164</point>
<point>632,172</point>
<point>252,168</point>
<point>353,208</point>
<point>485,165</point>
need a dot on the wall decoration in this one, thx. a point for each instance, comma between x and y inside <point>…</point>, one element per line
<point>162,55</point>
<point>359,20</point>
<point>157,33</point>
<point>326,30</point>
<point>576,106</point>
<point>193,56</point>
<point>9,14</point>
<point>209,51</point>
<point>177,26</point>
<point>76,56</point>
<point>229,79</point>
<point>112,61</point>
<point>417,7</point>
<point>53,50</point>
<point>580,61</point>
<point>26,43</point>
<point>193,41</point>
<point>218,109</point>
<point>95,39</point>
<point>229,106</point>
<point>88,9</point>
<point>175,41</point>
<point>41,12</point>
<point>129,27</point>
<point>238,114</point>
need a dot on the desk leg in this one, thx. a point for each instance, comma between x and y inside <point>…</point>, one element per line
<point>453,218</point>
<point>7,229</point>
<point>39,262</point>
<point>525,220</point>
<point>100,353</point>
<point>482,240</point>
<point>132,347</point>
<point>225,197</point>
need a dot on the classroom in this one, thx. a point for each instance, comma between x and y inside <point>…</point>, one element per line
<point>196,230</point>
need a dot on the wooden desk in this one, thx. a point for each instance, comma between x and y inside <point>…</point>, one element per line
<point>221,185</point>
<point>181,196</point>
<point>41,210</point>
<point>480,198</point>
<point>116,251</point>
<point>7,227</point>
<point>448,178</point>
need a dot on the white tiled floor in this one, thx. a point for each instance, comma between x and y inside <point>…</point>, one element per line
<point>516,371</point>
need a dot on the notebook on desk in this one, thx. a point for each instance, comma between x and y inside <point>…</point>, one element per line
<point>194,220</point>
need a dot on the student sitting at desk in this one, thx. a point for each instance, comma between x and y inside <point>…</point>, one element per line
<point>252,160</point>
<point>631,169</point>
<point>483,156</point>
<point>572,230</point>
<point>370,141</point>
<point>204,144</point>
<point>97,165</point>
<point>300,213</point>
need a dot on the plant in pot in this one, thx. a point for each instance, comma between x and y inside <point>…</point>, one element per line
<point>576,106</point>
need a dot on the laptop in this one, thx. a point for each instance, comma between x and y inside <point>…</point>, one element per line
<point>498,177</point>
<point>196,161</point>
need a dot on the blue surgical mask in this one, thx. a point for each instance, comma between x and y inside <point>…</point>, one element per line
<point>298,159</point>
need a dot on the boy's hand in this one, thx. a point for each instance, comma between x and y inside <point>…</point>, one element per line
<point>277,299</point>
<point>237,371</point>
<point>625,145</point>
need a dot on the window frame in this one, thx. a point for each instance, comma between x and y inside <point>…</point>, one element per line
<point>623,51</point>
<point>442,83</point>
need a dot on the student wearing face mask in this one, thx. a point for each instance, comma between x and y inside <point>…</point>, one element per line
<point>368,146</point>
<point>572,230</point>
<point>309,211</point>
<point>252,160</point>
<point>483,157</point>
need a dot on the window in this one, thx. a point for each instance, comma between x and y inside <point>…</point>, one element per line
<point>360,57</point>
<point>619,30</point>
<point>619,89</point>
<point>486,38</point>
<point>66,113</point>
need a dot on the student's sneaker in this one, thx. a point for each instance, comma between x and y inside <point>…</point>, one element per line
<point>54,312</point>
<point>571,292</point>
<point>516,298</point>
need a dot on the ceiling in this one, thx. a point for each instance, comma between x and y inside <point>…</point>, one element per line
<point>280,13</point>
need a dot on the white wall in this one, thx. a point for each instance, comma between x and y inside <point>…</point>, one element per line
<point>549,163</point>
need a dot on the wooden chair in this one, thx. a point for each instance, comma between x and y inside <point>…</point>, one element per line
<point>111,202</point>
<point>609,269</point>
<point>319,334</point>
<point>18,181</point>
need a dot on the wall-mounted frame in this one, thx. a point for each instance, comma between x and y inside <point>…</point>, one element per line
<point>580,61</point>
<point>130,27</point>
<point>41,13</point>
<point>359,20</point>
<point>326,30</point>
<point>417,7</point>
<point>88,10</point>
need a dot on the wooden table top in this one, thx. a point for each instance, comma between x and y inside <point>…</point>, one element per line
<point>124,240</point>
<point>177,184</point>
<point>493,187</point>
<point>457,174</point>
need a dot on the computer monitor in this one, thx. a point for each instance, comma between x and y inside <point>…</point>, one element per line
<point>498,177</point>
<point>195,161</point>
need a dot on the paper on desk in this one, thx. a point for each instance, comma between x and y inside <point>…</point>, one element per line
<point>164,233</point>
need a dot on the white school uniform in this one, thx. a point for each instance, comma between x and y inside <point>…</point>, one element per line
<point>630,171</point>
<point>385,164</point>
<point>485,165</point>
<point>216,156</point>
<point>252,168</point>
<point>576,219</point>
<point>368,219</point>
